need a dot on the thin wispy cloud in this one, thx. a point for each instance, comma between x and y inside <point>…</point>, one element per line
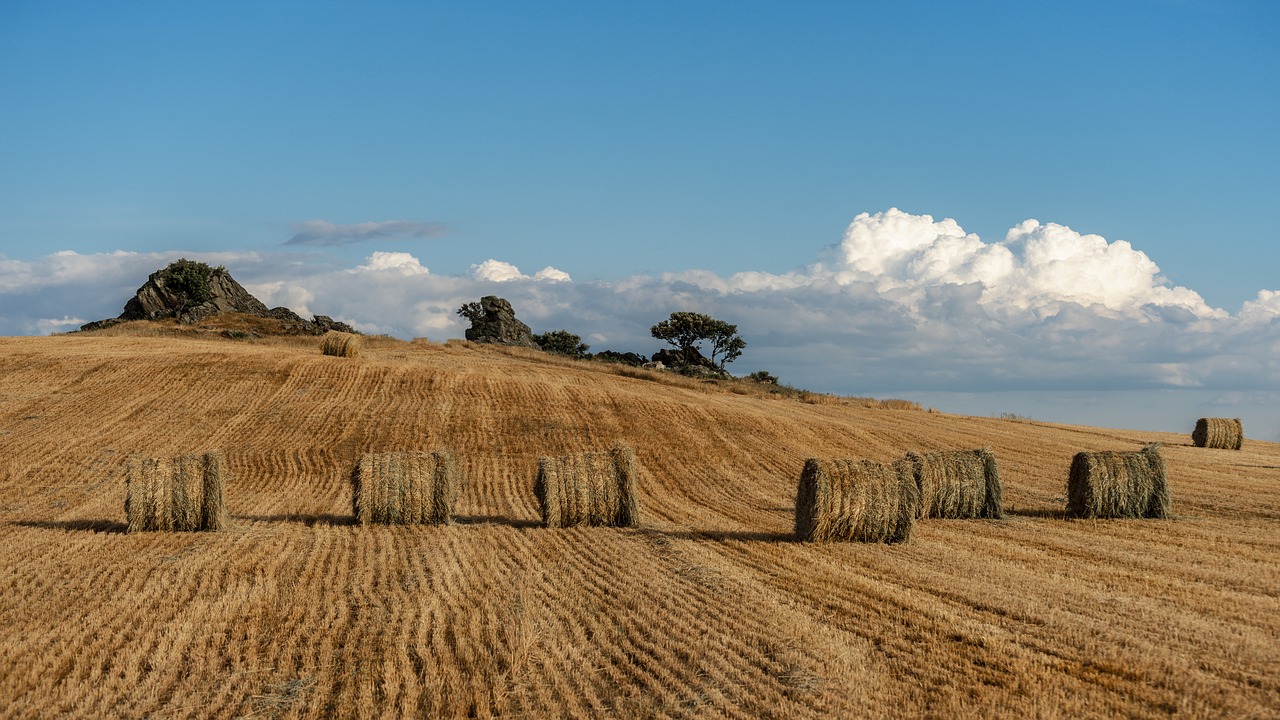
<point>322,233</point>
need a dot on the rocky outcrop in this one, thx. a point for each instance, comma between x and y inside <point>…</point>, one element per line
<point>192,292</point>
<point>292,322</point>
<point>496,323</point>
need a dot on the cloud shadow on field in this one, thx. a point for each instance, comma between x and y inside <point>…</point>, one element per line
<point>104,526</point>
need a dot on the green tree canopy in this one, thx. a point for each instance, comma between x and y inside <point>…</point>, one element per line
<point>562,342</point>
<point>685,331</point>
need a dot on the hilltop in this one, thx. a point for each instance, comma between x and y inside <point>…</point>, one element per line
<point>190,292</point>
<point>707,609</point>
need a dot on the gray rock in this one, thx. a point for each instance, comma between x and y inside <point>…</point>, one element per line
<point>194,292</point>
<point>160,298</point>
<point>498,325</point>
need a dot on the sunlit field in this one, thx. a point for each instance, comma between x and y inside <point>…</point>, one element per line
<point>708,609</point>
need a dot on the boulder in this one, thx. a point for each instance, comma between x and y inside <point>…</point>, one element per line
<point>683,358</point>
<point>690,362</point>
<point>498,325</point>
<point>629,358</point>
<point>190,292</point>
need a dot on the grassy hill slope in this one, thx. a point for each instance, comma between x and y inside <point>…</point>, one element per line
<point>708,609</point>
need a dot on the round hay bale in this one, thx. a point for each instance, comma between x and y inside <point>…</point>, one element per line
<point>957,484</point>
<point>594,488</point>
<point>213,513</point>
<point>1220,433</point>
<point>855,500</point>
<point>1118,484</point>
<point>340,344</point>
<point>404,488</point>
<point>180,494</point>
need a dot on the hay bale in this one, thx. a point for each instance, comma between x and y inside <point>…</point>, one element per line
<point>180,494</point>
<point>404,488</point>
<point>594,488</point>
<point>860,500</point>
<point>1118,484</point>
<point>957,484</point>
<point>1220,433</point>
<point>341,344</point>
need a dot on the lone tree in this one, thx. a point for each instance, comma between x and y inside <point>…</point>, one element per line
<point>686,330</point>
<point>562,342</point>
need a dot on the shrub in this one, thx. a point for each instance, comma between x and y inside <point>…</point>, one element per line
<point>562,342</point>
<point>190,279</point>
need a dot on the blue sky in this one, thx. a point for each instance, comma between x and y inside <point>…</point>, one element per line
<point>687,144</point>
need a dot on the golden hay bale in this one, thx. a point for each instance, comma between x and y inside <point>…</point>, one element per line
<point>594,488</point>
<point>860,500</point>
<point>341,344</point>
<point>1221,433</point>
<point>404,488</point>
<point>957,484</point>
<point>1118,484</point>
<point>182,494</point>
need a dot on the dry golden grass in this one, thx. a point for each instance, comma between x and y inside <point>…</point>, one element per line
<point>1219,433</point>
<point>709,609</point>
<point>340,344</point>
<point>957,484</point>
<point>1119,484</point>
<point>404,488</point>
<point>593,488</point>
<point>856,500</point>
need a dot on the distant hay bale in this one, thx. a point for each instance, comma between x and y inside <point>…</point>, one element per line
<point>341,344</point>
<point>860,500</point>
<point>1220,433</point>
<point>404,488</point>
<point>180,494</point>
<point>957,484</point>
<point>1118,484</point>
<point>594,488</point>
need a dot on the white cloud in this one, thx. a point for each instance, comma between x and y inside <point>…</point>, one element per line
<point>1264,308</point>
<point>903,303</point>
<point>550,274</point>
<point>496,271</point>
<point>400,262</point>
<point>1037,268</point>
<point>326,233</point>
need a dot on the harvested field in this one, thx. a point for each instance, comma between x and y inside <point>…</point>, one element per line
<point>708,609</point>
<point>1220,433</point>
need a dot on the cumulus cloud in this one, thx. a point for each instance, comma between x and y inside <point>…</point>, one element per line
<point>497,271</point>
<point>400,262</point>
<point>325,233</point>
<point>550,274</point>
<point>902,303</point>
<point>1036,269</point>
